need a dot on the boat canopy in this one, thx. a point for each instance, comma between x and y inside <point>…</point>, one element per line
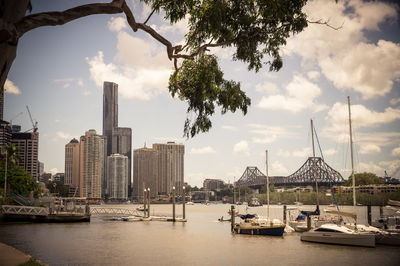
<point>248,216</point>
<point>346,214</point>
<point>316,212</point>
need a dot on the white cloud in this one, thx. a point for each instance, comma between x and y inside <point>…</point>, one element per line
<point>345,56</point>
<point>283,153</point>
<point>396,152</point>
<point>11,88</point>
<point>227,127</point>
<point>242,148</point>
<point>53,171</point>
<point>313,75</point>
<point>63,136</point>
<point>267,87</point>
<point>369,148</point>
<point>303,153</point>
<point>391,167</point>
<point>80,83</point>
<point>300,95</point>
<point>117,24</point>
<point>168,139</point>
<point>134,83</point>
<point>337,119</point>
<point>278,169</point>
<point>270,134</point>
<point>329,151</point>
<point>370,167</point>
<point>204,150</point>
<point>395,101</point>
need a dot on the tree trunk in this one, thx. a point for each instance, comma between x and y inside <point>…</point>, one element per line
<point>10,13</point>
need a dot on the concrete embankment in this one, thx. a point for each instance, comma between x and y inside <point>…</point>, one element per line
<point>10,256</point>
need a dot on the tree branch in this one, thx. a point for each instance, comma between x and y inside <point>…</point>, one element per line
<point>152,12</point>
<point>60,18</point>
<point>325,23</point>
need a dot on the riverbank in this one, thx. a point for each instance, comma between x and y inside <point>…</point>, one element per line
<point>11,256</point>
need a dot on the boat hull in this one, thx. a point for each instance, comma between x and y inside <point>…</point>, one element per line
<point>266,231</point>
<point>364,240</point>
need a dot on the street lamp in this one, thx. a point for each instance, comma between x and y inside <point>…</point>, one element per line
<point>173,203</point>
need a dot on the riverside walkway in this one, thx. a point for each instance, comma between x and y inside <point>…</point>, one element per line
<point>10,256</point>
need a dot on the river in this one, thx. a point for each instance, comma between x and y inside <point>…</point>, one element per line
<point>201,241</point>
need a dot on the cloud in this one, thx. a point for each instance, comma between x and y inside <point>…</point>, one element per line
<point>395,101</point>
<point>329,152</point>
<point>270,134</point>
<point>300,95</point>
<point>303,153</point>
<point>117,24</point>
<point>53,171</point>
<point>313,75</point>
<point>80,83</point>
<point>57,121</point>
<point>267,87</point>
<point>227,127</point>
<point>278,169</point>
<point>11,88</point>
<point>345,56</point>
<point>168,139</point>
<point>242,148</point>
<point>67,82</point>
<point>369,148</point>
<point>396,152</point>
<point>362,117</point>
<point>204,150</point>
<point>63,136</point>
<point>133,82</point>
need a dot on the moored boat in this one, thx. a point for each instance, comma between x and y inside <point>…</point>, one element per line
<point>252,225</point>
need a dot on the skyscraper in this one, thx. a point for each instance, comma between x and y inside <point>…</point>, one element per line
<point>119,139</point>
<point>117,182</point>
<point>170,166</point>
<point>91,164</point>
<point>27,145</point>
<point>145,172</point>
<point>72,163</point>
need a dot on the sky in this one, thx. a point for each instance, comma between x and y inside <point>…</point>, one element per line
<point>59,73</point>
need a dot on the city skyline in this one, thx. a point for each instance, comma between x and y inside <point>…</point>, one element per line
<point>321,67</point>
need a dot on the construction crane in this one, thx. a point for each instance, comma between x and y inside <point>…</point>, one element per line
<point>34,123</point>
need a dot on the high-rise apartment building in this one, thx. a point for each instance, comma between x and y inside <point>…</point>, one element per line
<point>119,139</point>
<point>5,133</point>
<point>72,163</point>
<point>117,182</point>
<point>27,145</point>
<point>213,184</point>
<point>170,166</point>
<point>145,172</point>
<point>91,164</point>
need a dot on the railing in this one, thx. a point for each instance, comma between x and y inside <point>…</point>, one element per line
<point>114,211</point>
<point>24,210</point>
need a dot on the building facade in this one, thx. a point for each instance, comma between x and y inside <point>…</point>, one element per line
<point>117,182</point>
<point>119,139</point>
<point>5,133</point>
<point>145,172</point>
<point>213,184</point>
<point>91,164</point>
<point>170,167</point>
<point>72,163</point>
<point>27,145</point>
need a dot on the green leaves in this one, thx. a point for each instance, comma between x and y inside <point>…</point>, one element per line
<point>200,82</point>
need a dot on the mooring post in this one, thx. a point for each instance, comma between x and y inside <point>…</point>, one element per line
<point>369,214</point>
<point>144,202</point>
<point>284,214</point>
<point>232,217</point>
<point>183,203</point>
<point>173,204</point>
<point>148,202</point>
<point>308,222</point>
<point>380,211</point>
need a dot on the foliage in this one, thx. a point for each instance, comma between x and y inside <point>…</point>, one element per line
<point>58,187</point>
<point>31,262</point>
<point>362,179</point>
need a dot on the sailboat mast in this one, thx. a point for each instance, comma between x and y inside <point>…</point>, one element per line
<point>314,170</point>
<point>352,159</point>
<point>266,171</point>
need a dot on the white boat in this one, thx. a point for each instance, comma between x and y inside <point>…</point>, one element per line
<point>190,203</point>
<point>252,225</point>
<point>339,235</point>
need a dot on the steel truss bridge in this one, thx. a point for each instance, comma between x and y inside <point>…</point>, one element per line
<point>314,167</point>
<point>114,211</point>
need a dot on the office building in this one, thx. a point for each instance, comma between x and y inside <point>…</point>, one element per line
<point>59,177</point>
<point>72,163</point>
<point>91,164</point>
<point>213,184</point>
<point>145,172</point>
<point>117,172</point>
<point>40,169</point>
<point>119,139</point>
<point>170,167</point>
<point>5,134</point>
<point>27,145</point>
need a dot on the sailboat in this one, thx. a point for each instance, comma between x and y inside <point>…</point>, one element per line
<point>251,224</point>
<point>338,233</point>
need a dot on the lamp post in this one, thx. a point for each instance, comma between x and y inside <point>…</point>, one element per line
<point>173,203</point>
<point>144,203</point>
<point>183,203</point>
<point>148,202</point>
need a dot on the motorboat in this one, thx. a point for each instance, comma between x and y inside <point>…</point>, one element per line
<point>190,203</point>
<point>254,203</point>
<point>252,225</point>
<point>339,235</point>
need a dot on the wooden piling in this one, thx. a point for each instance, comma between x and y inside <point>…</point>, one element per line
<point>308,222</point>
<point>369,214</point>
<point>284,214</point>
<point>148,202</point>
<point>232,217</point>
<point>183,203</point>
<point>144,202</point>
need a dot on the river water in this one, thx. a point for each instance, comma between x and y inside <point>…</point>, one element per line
<point>201,241</point>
